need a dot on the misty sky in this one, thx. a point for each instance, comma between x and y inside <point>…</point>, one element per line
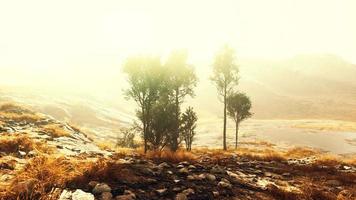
<point>69,41</point>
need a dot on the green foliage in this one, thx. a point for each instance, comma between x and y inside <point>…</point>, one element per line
<point>162,123</point>
<point>225,77</point>
<point>238,107</point>
<point>145,76</point>
<point>128,137</point>
<point>159,91</point>
<point>188,125</point>
<point>181,82</point>
<point>225,71</point>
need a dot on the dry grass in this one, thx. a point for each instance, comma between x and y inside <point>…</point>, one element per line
<point>20,142</point>
<point>54,130</point>
<point>107,146</point>
<point>169,156</point>
<point>39,176</point>
<point>24,117</point>
<point>301,152</point>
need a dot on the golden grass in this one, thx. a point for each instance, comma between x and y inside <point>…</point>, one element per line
<point>107,146</point>
<point>54,130</point>
<point>39,176</point>
<point>23,117</point>
<point>20,142</point>
<point>169,156</point>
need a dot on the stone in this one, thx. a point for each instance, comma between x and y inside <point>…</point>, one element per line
<point>183,171</point>
<point>92,184</point>
<point>181,196</point>
<point>125,197</point>
<point>161,192</point>
<point>286,174</point>
<point>128,195</point>
<point>216,194</point>
<point>101,188</point>
<point>188,191</point>
<point>210,177</point>
<point>217,170</point>
<point>184,195</point>
<point>22,154</point>
<point>77,195</point>
<point>185,163</point>
<point>180,166</point>
<point>225,184</point>
<point>106,196</point>
<point>191,167</point>
<point>164,165</point>
<point>334,183</point>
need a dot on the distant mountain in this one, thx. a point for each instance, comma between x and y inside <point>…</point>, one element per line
<point>306,86</point>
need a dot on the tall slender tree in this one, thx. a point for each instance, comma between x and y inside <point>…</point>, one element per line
<point>188,125</point>
<point>225,77</point>
<point>182,80</point>
<point>238,107</point>
<point>145,78</point>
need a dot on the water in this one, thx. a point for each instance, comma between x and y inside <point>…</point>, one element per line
<point>283,133</point>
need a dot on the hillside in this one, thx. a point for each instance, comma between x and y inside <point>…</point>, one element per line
<point>43,158</point>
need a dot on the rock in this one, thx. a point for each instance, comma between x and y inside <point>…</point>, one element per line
<point>286,174</point>
<point>185,163</point>
<point>184,195</point>
<point>216,194</point>
<point>217,170</point>
<point>210,177</point>
<point>22,154</point>
<point>92,184</point>
<point>346,167</point>
<point>268,174</point>
<point>181,196</point>
<point>183,171</point>
<point>81,195</point>
<point>161,192</point>
<point>101,188</point>
<point>191,167</point>
<point>225,184</point>
<point>191,178</point>
<point>176,181</point>
<point>125,197</point>
<point>106,196</point>
<point>128,195</point>
<point>188,191</point>
<point>65,195</point>
<point>77,195</point>
<point>164,165</point>
<point>202,176</point>
<point>180,166</point>
<point>333,183</point>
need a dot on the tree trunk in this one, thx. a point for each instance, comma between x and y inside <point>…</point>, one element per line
<point>144,122</point>
<point>237,133</point>
<point>176,131</point>
<point>224,130</point>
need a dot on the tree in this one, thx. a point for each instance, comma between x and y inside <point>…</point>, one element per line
<point>127,137</point>
<point>188,125</point>
<point>238,107</point>
<point>162,123</point>
<point>181,80</point>
<point>145,78</point>
<point>225,77</point>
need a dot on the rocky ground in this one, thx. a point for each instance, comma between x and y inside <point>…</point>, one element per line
<point>105,175</point>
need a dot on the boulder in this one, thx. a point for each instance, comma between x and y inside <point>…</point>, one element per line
<point>101,188</point>
<point>77,195</point>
